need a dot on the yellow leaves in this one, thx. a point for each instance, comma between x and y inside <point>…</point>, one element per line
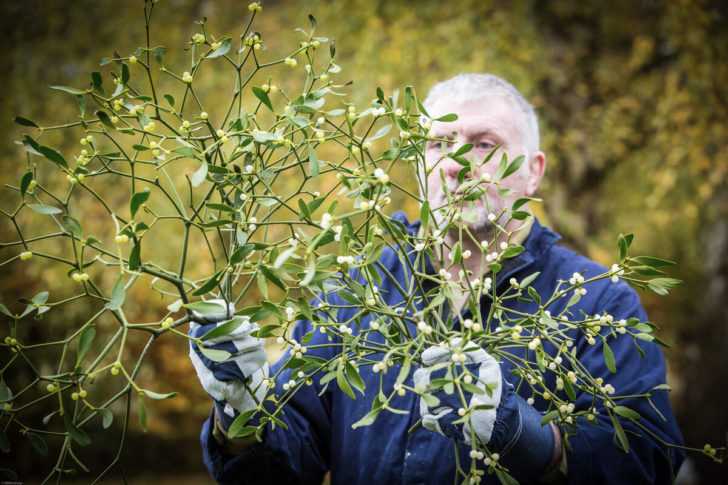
<point>642,49</point>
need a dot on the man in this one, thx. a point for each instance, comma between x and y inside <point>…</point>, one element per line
<point>492,115</point>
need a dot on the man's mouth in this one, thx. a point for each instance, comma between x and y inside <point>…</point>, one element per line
<point>472,191</point>
<point>456,190</point>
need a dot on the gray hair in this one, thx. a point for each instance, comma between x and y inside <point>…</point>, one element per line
<point>467,87</point>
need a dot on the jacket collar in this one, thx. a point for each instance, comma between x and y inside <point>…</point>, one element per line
<point>540,240</point>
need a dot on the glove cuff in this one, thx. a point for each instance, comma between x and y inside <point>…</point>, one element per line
<point>525,446</point>
<point>226,414</point>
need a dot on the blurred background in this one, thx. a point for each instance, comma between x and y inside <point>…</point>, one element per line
<point>633,103</point>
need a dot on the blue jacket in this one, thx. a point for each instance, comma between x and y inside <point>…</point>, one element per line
<point>320,436</point>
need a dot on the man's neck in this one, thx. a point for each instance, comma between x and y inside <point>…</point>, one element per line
<point>515,233</point>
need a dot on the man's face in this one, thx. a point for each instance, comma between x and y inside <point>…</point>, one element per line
<point>485,123</point>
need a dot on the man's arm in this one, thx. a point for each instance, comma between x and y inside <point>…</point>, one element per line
<point>230,446</point>
<point>556,473</point>
<point>593,456</point>
<point>298,454</point>
<point>512,428</point>
<point>498,418</point>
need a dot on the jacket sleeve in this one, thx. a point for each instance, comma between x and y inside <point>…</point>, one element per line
<point>593,457</point>
<point>299,454</point>
<point>296,455</point>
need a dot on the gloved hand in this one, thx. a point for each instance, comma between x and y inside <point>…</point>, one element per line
<point>226,381</point>
<point>510,427</point>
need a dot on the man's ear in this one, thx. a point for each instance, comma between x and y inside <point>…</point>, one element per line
<point>537,166</point>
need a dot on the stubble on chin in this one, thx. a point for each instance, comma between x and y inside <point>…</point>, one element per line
<point>480,226</point>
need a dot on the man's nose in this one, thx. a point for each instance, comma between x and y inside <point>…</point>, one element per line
<point>452,167</point>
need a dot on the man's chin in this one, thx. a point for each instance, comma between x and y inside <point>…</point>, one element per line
<point>481,228</point>
<point>477,224</point>
<point>474,217</point>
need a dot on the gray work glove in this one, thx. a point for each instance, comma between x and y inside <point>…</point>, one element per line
<point>230,381</point>
<point>505,424</point>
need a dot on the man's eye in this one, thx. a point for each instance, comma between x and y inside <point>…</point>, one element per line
<point>440,145</point>
<point>484,145</point>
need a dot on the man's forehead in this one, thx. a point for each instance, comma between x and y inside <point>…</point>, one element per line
<point>446,105</point>
<point>482,115</point>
